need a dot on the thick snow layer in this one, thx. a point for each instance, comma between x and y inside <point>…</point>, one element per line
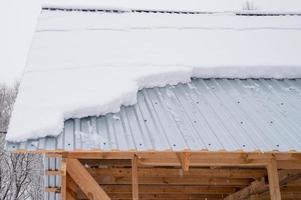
<point>84,64</point>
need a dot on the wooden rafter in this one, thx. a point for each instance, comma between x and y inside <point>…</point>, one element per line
<point>135,186</point>
<point>184,159</point>
<point>85,181</point>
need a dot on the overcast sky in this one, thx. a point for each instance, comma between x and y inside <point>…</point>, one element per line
<point>18,20</point>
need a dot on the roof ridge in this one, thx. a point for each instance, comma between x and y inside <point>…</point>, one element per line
<point>122,10</point>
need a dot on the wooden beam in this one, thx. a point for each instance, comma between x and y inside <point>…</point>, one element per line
<point>135,186</point>
<point>72,188</point>
<point>169,189</point>
<point>184,159</point>
<point>178,172</point>
<point>258,187</point>
<point>53,189</point>
<point>168,197</point>
<point>85,181</point>
<point>197,158</point>
<point>64,179</point>
<point>111,180</point>
<point>164,189</point>
<point>273,180</point>
<point>255,188</point>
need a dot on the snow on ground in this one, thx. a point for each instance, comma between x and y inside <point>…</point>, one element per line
<point>84,64</point>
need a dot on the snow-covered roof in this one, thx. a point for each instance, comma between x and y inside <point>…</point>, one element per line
<point>212,114</point>
<point>90,63</point>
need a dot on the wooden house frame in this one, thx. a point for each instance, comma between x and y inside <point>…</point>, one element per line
<point>272,173</point>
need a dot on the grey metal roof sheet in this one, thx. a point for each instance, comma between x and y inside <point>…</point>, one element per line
<point>211,114</point>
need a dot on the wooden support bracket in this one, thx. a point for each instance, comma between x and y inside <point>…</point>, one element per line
<point>184,159</point>
<point>85,181</point>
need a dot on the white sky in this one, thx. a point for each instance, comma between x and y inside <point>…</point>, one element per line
<point>18,20</point>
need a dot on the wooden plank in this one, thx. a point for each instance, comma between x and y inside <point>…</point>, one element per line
<point>111,180</point>
<point>198,158</point>
<point>273,177</point>
<point>53,189</point>
<point>255,188</point>
<point>178,172</point>
<point>169,189</point>
<point>135,186</point>
<point>53,172</point>
<point>64,179</point>
<point>72,188</point>
<point>258,187</point>
<point>172,154</point>
<point>85,181</point>
<point>167,196</point>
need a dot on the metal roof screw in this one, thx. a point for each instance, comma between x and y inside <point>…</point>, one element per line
<point>69,144</point>
<point>104,143</point>
<point>156,103</point>
<point>271,122</point>
<point>140,144</point>
<point>194,121</point>
<point>282,103</point>
<point>238,102</point>
<point>174,145</point>
<point>197,102</point>
<point>241,122</point>
<point>209,144</point>
<point>243,145</point>
<point>277,145</point>
<point>145,120</point>
<point>14,146</point>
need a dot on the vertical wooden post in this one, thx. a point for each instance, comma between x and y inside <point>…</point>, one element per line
<point>273,180</point>
<point>63,179</point>
<point>135,185</point>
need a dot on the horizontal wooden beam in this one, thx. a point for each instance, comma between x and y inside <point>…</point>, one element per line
<point>53,172</point>
<point>164,196</point>
<point>173,154</point>
<point>170,189</point>
<point>110,180</point>
<point>53,189</point>
<point>163,189</point>
<point>173,172</point>
<point>197,158</point>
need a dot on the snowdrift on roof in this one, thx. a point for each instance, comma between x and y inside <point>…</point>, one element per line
<point>85,64</point>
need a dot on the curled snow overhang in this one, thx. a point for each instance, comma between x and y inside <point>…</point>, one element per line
<point>89,64</point>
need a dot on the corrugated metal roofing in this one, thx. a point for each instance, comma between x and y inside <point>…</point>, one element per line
<point>211,114</point>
